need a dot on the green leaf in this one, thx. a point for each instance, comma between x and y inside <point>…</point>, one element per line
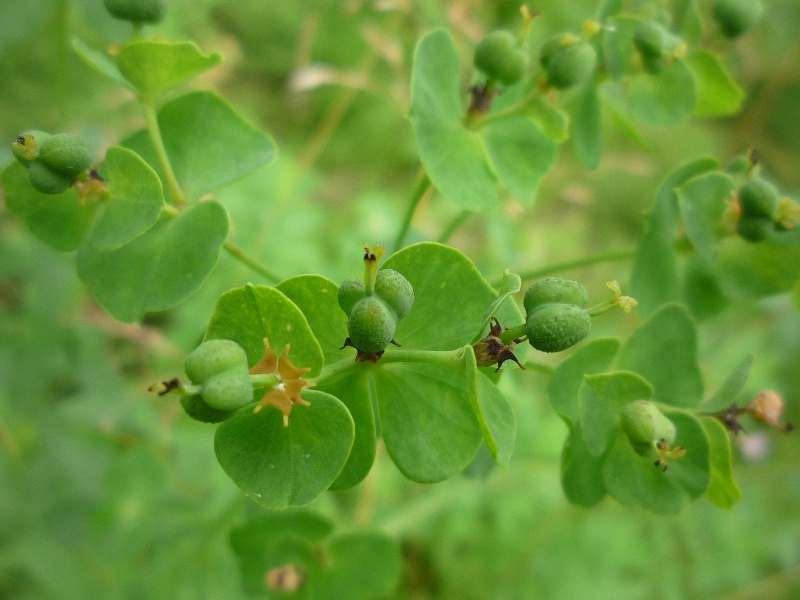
<point>770,267</point>
<point>633,480</point>
<point>587,132</point>
<point>101,62</point>
<point>208,143</point>
<point>654,281</point>
<point>703,202</point>
<point>664,351</point>
<point>796,297</point>
<point>730,388</point>
<point>511,284</point>
<point>723,491</point>
<point>662,100</point>
<point>154,67</point>
<point>553,121</point>
<point>520,154</point>
<point>361,565</point>
<point>581,471</point>
<point>279,466</point>
<point>134,203</point>
<point>426,419</point>
<point>717,92</point>
<point>450,298</point>
<point>452,156</point>
<point>61,221</point>
<point>355,390</point>
<point>691,22</point>
<point>317,298</point>
<point>609,8</point>
<point>594,357</point>
<point>251,313</point>
<point>701,291</point>
<point>619,52</point>
<point>602,398</point>
<point>495,416</point>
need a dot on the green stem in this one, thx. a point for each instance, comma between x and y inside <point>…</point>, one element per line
<point>251,262</point>
<point>264,381</point>
<point>509,335</point>
<point>173,187</point>
<point>337,368</point>
<point>170,211</point>
<point>447,358</point>
<point>613,256</point>
<point>419,192</point>
<point>459,220</point>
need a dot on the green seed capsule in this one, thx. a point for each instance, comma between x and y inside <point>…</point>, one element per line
<point>137,11</point>
<point>65,154</point>
<point>758,198</point>
<point>499,58</point>
<point>396,291</point>
<point>351,291</point>
<point>27,145</point>
<point>212,358</point>
<point>555,289</point>
<point>46,181</point>
<point>650,39</point>
<point>735,17</point>
<point>229,390</point>
<point>568,65</point>
<point>556,327</point>
<point>196,407</point>
<point>754,229</point>
<point>645,426</point>
<point>371,325</point>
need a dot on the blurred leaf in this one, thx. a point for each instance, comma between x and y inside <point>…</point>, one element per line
<point>581,471</point>
<point>609,8</point>
<point>102,63</point>
<point>602,398</point>
<point>703,202</point>
<point>278,466</point>
<point>154,67</point>
<point>701,290</point>
<point>158,269</point>
<point>594,357</point>
<point>691,21</point>
<point>664,351</point>
<point>718,94</point>
<point>62,221</point>
<point>723,491</point>
<point>587,131</point>
<point>770,267</point>
<point>134,203</point>
<point>796,296</point>
<point>251,313</point>
<point>427,422</point>
<point>553,121</point>
<point>208,143</point>
<point>730,388</point>
<point>619,52</point>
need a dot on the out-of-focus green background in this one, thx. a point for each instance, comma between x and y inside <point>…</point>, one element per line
<point>109,492</point>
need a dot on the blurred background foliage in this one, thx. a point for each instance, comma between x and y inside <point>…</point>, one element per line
<point>109,492</point>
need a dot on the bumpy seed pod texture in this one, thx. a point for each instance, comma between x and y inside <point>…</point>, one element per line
<point>26,148</point>
<point>371,324</point>
<point>498,57</point>
<point>568,64</point>
<point>351,291</point>
<point>65,154</point>
<point>735,17</point>
<point>645,426</point>
<point>220,367</point>
<point>396,291</point>
<point>758,198</point>
<point>46,181</point>
<point>137,11</point>
<point>555,289</point>
<point>555,327</point>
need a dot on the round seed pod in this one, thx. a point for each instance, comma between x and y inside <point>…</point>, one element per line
<point>65,154</point>
<point>499,58</point>
<point>371,324</point>
<point>754,229</point>
<point>556,327</point>
<point>735,17</point>
<point>213,357</point>
<point>196,407</point>
<point>28,151</point>
<point>650,39</point>
<point>351,291</point>
<point>645,425</point>
<point>46,181</point>
<point>396,291</point>
<point>758,198</point>
<point>228,390</point>
<point>555,289</point>
<point>137,11</point>
<point>568,65</point>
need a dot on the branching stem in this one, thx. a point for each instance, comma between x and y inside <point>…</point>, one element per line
<point>419,193</point>
<point>251,262</point>
<point>173,187</point>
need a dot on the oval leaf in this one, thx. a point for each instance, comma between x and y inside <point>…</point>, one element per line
<point>757,270</point>
<point>717,92</point>
<point>703,201</point>
<point>581,471</point>
<point>723,491</point>
<point>587,132</point>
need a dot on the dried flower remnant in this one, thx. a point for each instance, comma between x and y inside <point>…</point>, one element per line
<point>287,578</point>
<point>287,393</point>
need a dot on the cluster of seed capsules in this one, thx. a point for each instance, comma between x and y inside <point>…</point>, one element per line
<point>53,161</point>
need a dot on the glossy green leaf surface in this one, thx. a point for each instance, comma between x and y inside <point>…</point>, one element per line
<point>360,565</point>
<point>158,269</point>
<point>251,313</point>
<point>426,419</point>
<point>594,357</point>
<point>723,490</point>
<point>602,398</point>
<point>153,67</point>
<point>134,203</point>
<point>717,92</point>
<point>279,466</point>
<point>587,132</point>
<point>452,156</point>
<point>581,471</point>
<point>703,202</point>
<point>634,480</point>
<point>664,351</point>
<point>61,221</point>
<point>208,143</point>
<point>756,270</point>
<point>101,62</point>
<point>520,154</point>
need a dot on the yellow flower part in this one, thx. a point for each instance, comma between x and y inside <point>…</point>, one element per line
<point>287,393</point>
